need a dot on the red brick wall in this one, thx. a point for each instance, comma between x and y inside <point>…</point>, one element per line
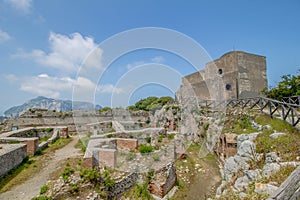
<point>32,146</point>
<point>127,143</point>
<point>108,157</point>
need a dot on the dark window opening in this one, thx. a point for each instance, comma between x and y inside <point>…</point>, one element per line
<point>220,71</point>
<point>228,87</point>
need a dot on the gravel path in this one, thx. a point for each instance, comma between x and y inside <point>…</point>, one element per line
<point>31,187</point>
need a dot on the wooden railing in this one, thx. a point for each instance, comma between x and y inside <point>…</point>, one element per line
<point>290,112</point>
<point>294,101</point>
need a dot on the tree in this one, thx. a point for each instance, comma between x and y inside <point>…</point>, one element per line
<point>287,87</point>
<point>152,103</point>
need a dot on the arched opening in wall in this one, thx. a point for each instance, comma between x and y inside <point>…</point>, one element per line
<point>228,86</point>
<point>220,71</point>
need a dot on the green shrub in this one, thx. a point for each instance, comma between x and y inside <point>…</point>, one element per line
<point>171,136</point>
<point>159,139</point>
<point>75,188</point>
<point>108,181</point>
<point>141,192</point>
<point>44,189</point>
<point>148,139</point>
<point>66,173</point>
<point>206,126</point>
<point>145,149</point>
<point>90,175</point>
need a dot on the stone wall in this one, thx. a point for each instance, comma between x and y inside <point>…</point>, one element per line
<point>30,137</point>
<point>122,185</point>
<point>163,181</point>
<point>11,155</point>
<point>235,75</point>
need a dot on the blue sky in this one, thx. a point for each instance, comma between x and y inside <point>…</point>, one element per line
<point>43,43</point>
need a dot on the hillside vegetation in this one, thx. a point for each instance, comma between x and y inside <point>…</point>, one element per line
<point>287,87</point>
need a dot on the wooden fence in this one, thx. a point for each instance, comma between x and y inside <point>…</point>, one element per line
<point>288,111</point>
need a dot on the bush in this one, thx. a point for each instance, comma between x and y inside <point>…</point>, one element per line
<point>108,181</point>
<point>66,173</point>
<point>171,136</point>
<point>145,149</point>
<point>90,175</point>
<point>141,192</point>
<point>148,139</point>
<point>44,189</point>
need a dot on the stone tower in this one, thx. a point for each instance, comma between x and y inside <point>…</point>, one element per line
<point>234,75</point>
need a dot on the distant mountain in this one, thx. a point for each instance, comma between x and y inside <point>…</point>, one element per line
<point>50,104</point>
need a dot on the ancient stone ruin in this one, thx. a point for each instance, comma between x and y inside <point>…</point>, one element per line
<point>234,75</point>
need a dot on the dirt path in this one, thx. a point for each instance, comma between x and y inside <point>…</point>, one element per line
<point>31,187</point>
<point>202,181</point>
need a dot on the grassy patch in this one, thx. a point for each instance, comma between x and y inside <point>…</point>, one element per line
<point>44,139</point>
<point>287,146</point>
<point>276,124</point>
<point>140,191</point>
<point>238,124</point>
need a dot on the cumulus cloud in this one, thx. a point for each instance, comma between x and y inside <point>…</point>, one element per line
<point>44,85</point>
<point>4,36</point>
<point>54,87</point>
<point>158,59</point>
<point>20,5</point>
<point>67,53</point>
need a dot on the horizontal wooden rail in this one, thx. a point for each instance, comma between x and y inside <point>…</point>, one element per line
<point>288,111</point>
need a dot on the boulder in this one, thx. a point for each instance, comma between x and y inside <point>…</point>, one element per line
<point>233,165</point>
<point>262,188</point>
<point>253,175</point>
<point>247,149</point>
<point>242,183</point>
<point>250,175</point>
<point>271,157</point>
<point>269,169</point>
<point>243,137</point>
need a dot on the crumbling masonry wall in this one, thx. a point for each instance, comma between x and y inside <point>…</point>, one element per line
<point>11,155</point>
<point>234,75</point>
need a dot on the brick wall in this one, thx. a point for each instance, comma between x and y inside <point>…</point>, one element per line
<point>127,143</point>
<point>107,157</point>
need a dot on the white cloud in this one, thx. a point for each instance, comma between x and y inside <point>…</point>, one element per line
<point>135,64</point>
<point>4,36</point>
<point>55,87</point>
<point>158,59</point>
<point>67,53</point>
<point>20,5</point>
<point>109,88</point>
<point>44,85</point>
